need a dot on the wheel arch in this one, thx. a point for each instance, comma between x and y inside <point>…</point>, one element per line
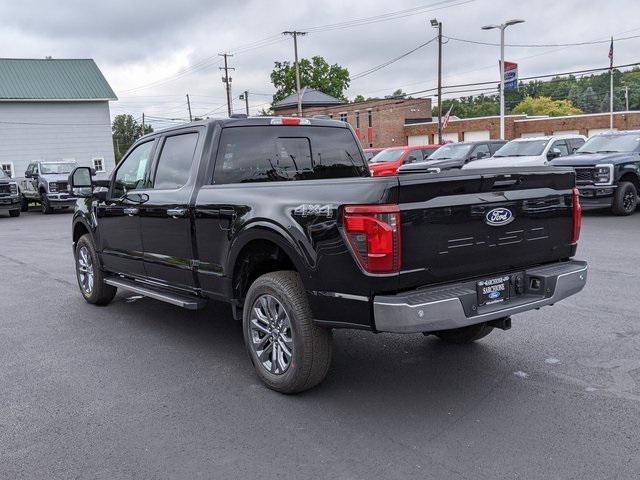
<point>633,177</point>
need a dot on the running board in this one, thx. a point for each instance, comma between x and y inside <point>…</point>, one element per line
<point>184,301</point>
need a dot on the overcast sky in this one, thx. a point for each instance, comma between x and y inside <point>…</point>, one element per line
<point>153,53</point>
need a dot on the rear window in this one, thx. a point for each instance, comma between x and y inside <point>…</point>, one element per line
<point>280,153</point>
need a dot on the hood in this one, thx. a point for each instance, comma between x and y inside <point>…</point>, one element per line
<point>499,162</point>
<point>590,159</point>
<point>55,177</point>
<point>444,163</point>
<point>384,166</point>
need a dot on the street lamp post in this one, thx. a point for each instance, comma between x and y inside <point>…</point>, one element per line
<point>437,24</point>
<point>502,28</point>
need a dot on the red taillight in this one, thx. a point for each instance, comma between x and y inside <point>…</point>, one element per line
<point>577,216</point>
<point>290,121</point>
<point>373,232</point>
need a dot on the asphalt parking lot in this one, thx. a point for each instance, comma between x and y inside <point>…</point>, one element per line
<point>141,389</point>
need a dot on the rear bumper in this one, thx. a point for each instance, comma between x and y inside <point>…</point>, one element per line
<point>454,305</point>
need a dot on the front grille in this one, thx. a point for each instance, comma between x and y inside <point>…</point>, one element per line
<point>585,175</point>
<point>62,186</point>
<point>5,188</point>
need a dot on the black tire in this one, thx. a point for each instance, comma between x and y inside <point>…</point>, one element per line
<point>45,206</point>
<point>100,293</point>
<point>311,355</point>
<point>625,200</point>
<point>465,334</point>
<point>14,213</point>
<point>24,205</point>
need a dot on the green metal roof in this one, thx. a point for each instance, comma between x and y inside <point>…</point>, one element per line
<point>52,79</point>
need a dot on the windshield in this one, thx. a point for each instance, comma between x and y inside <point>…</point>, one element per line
<point>522,148</point>
<point>53,168</point>
<point>450,151</point>
<point>388,156</point>
<point>3,174</point>
<point>611,144</point>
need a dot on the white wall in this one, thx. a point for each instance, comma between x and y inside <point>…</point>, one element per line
<point>532,134</point>
<point>566,132</point>
<point>418,140</point>
<point>450,137</point>
<point>477,135</point>
<point>54,131</point>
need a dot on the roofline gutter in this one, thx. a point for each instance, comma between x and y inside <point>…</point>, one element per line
<point>21,100</point>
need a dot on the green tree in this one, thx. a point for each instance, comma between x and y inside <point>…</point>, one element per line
<point>546,106</point>
<point>358,98</point>
<point>315,73</point>
<point>125,131</point>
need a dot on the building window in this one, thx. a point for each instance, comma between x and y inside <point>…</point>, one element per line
<point>8,169</point>
<point>357,119</point>
<point>98,164</point>
<point>370,118</point>
<point>343,117</point>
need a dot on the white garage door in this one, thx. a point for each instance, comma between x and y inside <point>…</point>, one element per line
<point>532,134</point>
<point>450,137</point>
<point>567,132</point>
<point>477,135</point>
<point>596,131</point>
<point>418,140</point>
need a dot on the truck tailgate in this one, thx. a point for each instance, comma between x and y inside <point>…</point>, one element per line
<point>459,225</point>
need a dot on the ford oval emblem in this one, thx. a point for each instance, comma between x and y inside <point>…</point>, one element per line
<point>498,217</point>
<point>494,295</point>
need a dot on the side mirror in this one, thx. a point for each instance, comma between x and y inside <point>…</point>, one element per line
<point>553,153</point>
<point>80,182</point>
<point>27,175</point>
<point>480,155</point>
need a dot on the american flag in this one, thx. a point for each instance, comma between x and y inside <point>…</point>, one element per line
<point>445,120</point>
<point>611,54</point>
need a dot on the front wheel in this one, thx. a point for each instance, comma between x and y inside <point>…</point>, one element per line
<point>89,274</point>
<point>288,350</point>
<point>45,206</point>
<point>625,199</point>
<point>14,213</point>
<point>24,205</point>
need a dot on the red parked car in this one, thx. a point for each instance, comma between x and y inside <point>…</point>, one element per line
<point>388,161</point>
<point>369,153</point>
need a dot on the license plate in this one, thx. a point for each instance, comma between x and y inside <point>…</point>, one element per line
<point>493,290</point>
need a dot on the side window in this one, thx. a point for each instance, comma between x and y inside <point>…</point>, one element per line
<point>575,143</point>
<point>175,161</point>
<point>560,145</point>
<point>427,152</point>
<point>413,157</point>
<point>481,151</point>
<point>130,174</point>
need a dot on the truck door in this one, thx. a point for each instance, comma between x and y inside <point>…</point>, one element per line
<point>166,215</point>
<point>120,239</point>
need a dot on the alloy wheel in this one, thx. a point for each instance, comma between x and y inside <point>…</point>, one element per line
<point>271,335</point>
<point>629,200</point>
<point>85,270</point>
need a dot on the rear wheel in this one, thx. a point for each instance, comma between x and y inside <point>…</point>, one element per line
<point>45,206</point>
<point>24,205</point>
<point>89,274</point>
<point>289,352</point>
<point>625,199</point>
<point>464,334</point>
<point>14,213</point>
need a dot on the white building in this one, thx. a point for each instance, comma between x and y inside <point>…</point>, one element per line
<point>54,109</point>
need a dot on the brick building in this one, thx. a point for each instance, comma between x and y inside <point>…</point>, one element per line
<point>517,126</point>
<point>377,123</point>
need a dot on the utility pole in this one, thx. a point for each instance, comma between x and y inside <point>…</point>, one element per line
<point>626,98</point>
<point>227,80</point>
<point>502,28</point>
<point>436,24</point>
<point>246,100</point>
<point>295,34</point>
<point>189,107</point>
<point>142,123</point>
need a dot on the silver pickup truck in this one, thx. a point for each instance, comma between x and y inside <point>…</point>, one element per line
<point>46,183</point>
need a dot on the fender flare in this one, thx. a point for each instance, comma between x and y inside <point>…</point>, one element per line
<point>265,230</point>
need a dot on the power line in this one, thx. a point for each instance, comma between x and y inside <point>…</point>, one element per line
<point>540,45</point>
<point>389,62</point>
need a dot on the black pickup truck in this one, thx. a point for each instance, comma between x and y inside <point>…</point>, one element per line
<point>607,171</point>
<point>280,218</point>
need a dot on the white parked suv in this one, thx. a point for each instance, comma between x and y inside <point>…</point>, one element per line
<point>526,152</point>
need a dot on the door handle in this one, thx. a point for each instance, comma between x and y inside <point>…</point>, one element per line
<point>131,211</point>
<point>177,212</point>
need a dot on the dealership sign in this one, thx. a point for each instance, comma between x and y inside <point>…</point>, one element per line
<point>510,76</point>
